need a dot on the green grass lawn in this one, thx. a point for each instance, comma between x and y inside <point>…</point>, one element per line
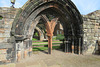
<point>45,48</point>
<point>45,43</point>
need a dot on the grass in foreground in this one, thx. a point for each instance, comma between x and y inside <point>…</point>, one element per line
<point>45,48</point>
<point>46,42</point>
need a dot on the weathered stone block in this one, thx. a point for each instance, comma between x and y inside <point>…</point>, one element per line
<point>6,45</point>
<point>84,22</point>
<point>3,57</point>
<point>1,22</point>
<point>99,27</point>
<point>97,24</point>
<point>3,54</point>
<point>86,27</point>
<point>18,55</point>
<point>3,39</point>
<point>99,38</point>
<point>96,34</point>
<point>11,39</point>
<point>90,38</point>
<point>98,21</point>
<point>89,31</point>
<point>97,18</point>
<point>89,34</point>
<point>92,30</point>
<point>91,17</point>
<point>85,39</point>
<point>96,30</point>
<point>92,21</point>
<point>92,26</point>
<point>99,35</point>
<point>96,27</point>
<point>7,27</point>
<point>87,23</point>
<point>2,26</point>
<point>96,38</point>
<point>1,33</point>
<point>85,19</point>
<point>85,30</point>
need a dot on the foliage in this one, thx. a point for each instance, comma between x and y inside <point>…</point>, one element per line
<point>60,37</point>
<point>54,38</point>
<point>33,39</point>
<point>1,17</point>
<point>36,34</point>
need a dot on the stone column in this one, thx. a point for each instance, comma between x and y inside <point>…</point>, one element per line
<point>49,44</point>
<point>50,25</point>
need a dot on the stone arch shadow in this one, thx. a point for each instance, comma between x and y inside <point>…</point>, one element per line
<point>28,17</point>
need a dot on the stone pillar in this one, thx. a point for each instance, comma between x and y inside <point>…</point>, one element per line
<point>50,25</point>
<point>49,44</point>
<point>73,46</point>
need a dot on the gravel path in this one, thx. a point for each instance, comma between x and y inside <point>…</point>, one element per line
<point>59,59</point>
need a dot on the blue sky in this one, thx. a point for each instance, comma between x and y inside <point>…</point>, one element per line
<point>84,6</point>
<point>87,6</point>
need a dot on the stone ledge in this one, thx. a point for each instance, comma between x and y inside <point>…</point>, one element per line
<point>6,45</point>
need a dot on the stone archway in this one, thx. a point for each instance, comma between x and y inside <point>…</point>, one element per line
<point>30,14</point>
<point>40,34</point>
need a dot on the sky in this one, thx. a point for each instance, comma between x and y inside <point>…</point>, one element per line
<point>84,6</point>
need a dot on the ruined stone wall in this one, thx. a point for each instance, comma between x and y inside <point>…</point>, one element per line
<point>11,50</point>
<point>8,15</point>
<point>91,27</point>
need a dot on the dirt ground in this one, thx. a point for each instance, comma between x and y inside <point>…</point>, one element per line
<point>59,59</point>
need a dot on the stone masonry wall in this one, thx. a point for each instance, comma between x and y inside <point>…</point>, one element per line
<point>91,27</point>
<point>11,50</point>
<point>8,15</point>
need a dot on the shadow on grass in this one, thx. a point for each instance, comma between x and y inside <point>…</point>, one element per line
<point>43,49</point>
